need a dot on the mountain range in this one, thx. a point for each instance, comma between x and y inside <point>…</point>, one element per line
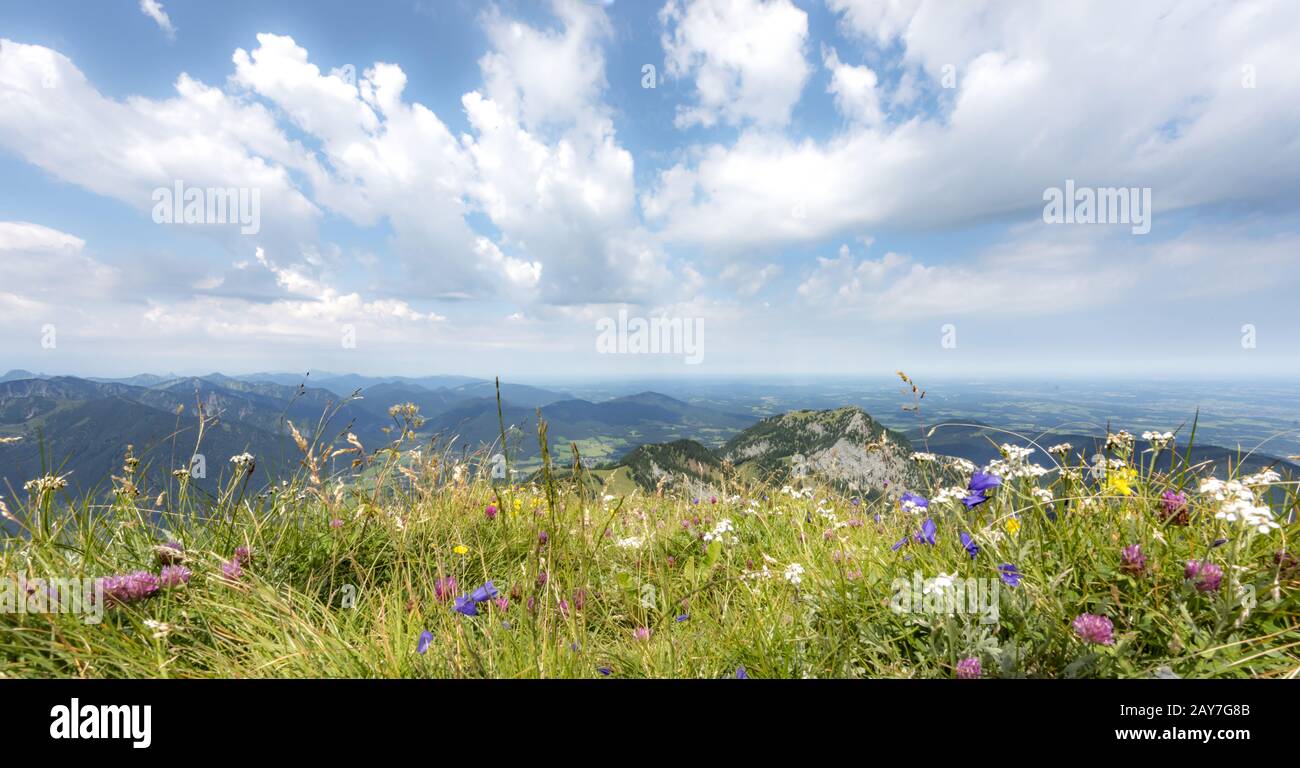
<point>80,427</point>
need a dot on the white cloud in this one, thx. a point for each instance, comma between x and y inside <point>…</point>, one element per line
<point>1039,99</point>
<point>154,10</point>
<point>746,279</point>
<point>44,265</point>
<point>854,89</point>
<point>746,58</point>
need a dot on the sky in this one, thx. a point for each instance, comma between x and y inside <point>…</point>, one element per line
<point>838,187</point>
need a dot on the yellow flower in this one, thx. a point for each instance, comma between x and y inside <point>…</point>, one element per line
<point>461,549</point>
<point>1013,525</point>
<point>1121,480</point>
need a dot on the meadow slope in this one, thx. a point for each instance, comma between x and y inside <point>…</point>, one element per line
<point>400,562</point>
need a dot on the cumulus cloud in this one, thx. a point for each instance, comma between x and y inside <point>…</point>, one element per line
<point>1035,102</point>
<point>746,58</point>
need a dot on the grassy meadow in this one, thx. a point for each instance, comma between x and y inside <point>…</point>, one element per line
<point>400,561</point>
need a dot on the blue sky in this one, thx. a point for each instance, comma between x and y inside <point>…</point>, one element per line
<point>839,187</point>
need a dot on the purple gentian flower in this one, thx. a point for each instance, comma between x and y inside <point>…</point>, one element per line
<point>682,618</point>
<point>969,544</point>
<point>464,605</point>
<point>928,529</point>
<point>983,481</point>
<point>914,500</point>
<point>485,592</point>
<point>974,499</point>
<point>426,637</point>
<point>741,674</point>
<point>898,544</point>
<point>1009,574</point>
<point>606,671</point>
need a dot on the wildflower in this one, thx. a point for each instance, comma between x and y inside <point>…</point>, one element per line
<point>969,668</point>
<point>1267,477</point>
<point>741,674</point>
<point>1284,560</point>
<point>921,457</point>
<point>502,603</point>
<point>171,553</point>
<point>542,578</point>
<point>232,570</point>
<point>160,629</point>
<point>1132,560</point>
<point>243,555</point>
<point>641,633</point>
<point>1121,442</point>
<point>1094,629</point>
<point>969,544</point>
<point>913,503</point>
<point>1174,505</point>
<point>926,534</point>
<point>1013,525</point>
<point>1009,574</point>
<point>244,462</point>
<point>1060,449</point>
<point>579,598</point>
<point>443,588</point>
<point>724,531</point>
<point>630,542</point>
<point>460,549</point>
<point>1159,440</point>
<point>606,671</point>
<point>485,592</point>
<point>899,544</point>
<point>683,617</point>
<point>490,511</point>
<point>983,481</point>
<point>129,588</point>
<point>1205,576</point>
<point>336,523</point>
<point>794,573</point>
<point>542,538</point>
<point>173,576</point>
<point>974,499</point>
<point>1121,480</point>
<point>464,605</point>
<point>47,484</point>
<point>426,639</point>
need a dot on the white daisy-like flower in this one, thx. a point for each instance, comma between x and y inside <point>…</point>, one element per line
<point>724,531</point>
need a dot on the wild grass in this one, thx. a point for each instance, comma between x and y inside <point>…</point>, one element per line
<point>347,568</point>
